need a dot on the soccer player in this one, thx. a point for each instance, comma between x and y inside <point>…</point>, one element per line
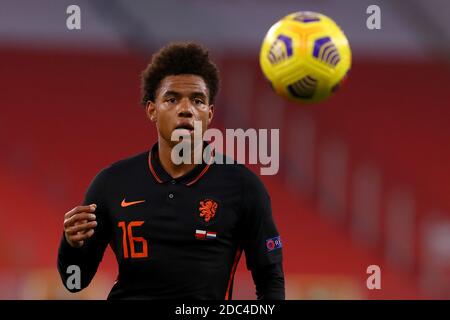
<point>177,231</point>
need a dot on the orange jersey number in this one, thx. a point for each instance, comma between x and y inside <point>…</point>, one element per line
<point>128,233</point>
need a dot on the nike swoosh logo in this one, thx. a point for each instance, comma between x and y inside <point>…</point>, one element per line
<point>125,204</point>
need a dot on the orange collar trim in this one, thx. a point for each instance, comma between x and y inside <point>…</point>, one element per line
<point>158,179</point>
<point>151,168</point>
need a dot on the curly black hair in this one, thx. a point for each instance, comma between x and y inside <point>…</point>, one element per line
<point>179,58</point>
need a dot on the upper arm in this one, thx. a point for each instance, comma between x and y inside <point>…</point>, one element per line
<point>261,240</point>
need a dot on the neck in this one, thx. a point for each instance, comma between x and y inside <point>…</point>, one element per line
<point>174,170</point>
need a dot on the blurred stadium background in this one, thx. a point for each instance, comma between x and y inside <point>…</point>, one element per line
<point>364,178</point>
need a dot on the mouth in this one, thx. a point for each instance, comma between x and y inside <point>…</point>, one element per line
<point>185,126</point>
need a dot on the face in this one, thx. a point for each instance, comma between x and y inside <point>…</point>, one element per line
<point>179,101</point>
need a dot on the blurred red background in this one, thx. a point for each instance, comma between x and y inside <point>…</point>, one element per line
<point>363,177</point>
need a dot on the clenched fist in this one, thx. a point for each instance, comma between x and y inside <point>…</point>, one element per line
<point>79,224</point>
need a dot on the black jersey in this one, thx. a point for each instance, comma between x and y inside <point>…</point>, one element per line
<point>179,238</point>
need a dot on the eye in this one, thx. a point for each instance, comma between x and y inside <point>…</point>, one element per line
<point>198,101</point>
<point>171,100</point>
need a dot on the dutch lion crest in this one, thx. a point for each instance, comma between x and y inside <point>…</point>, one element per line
<point>207,209</point>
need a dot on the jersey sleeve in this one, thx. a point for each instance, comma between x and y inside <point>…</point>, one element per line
<point>261,240</point>
<point>88,257</point>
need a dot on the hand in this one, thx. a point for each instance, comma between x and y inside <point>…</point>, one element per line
<point>79,224</point>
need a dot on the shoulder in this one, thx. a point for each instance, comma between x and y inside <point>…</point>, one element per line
<point>239,173</point>
<point>254,197</point>
<point>125,167</point>
<point>119,174</point>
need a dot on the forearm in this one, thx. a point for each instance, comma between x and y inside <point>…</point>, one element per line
<point>269,282</point>
<point>78,257</point>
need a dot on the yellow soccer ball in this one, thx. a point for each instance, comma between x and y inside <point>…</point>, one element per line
<point>305,56</point>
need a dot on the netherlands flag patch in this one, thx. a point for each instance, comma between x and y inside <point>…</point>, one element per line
<point>273,243</point>
<point>211,235</point>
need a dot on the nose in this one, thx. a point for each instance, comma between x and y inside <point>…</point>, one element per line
<point>185,108</point>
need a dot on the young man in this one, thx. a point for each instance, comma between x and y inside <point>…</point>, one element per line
<point>177,231</point>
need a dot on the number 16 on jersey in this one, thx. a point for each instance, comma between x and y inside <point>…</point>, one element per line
<point>128,234</point>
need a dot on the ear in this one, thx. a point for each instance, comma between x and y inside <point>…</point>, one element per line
<point>210,114</point>
<point>151,111</point>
